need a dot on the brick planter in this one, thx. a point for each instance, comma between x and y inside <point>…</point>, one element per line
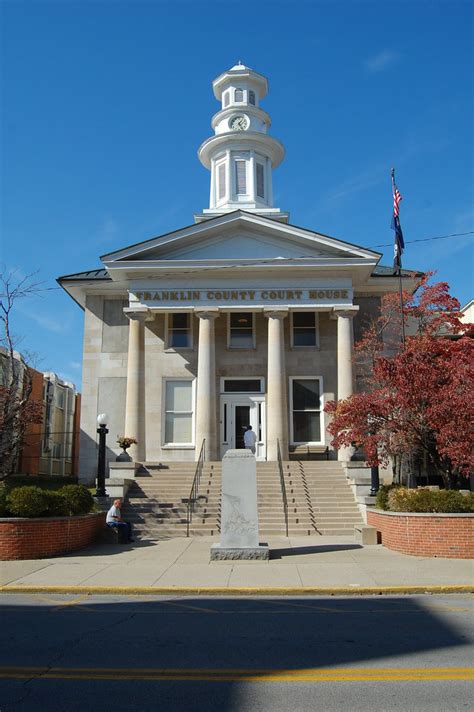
<point>22,538</point>
<point>449,536</point>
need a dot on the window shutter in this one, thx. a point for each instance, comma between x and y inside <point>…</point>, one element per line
<point>225,99</point>
<point>260,182</point>
<point>240,178</point>
<point>239,95</point>
<point>221,181</point>
<point>252,97</point>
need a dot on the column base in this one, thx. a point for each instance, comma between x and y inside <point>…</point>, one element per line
<point>244,553</point>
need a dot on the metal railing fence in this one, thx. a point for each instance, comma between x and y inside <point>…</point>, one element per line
<point>193,495</point>
<point>283,486</point>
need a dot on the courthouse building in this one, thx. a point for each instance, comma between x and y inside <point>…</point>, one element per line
<point>239,318</point>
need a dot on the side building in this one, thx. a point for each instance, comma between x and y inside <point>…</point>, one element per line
<point>240,318</point>
<point>51,445</point>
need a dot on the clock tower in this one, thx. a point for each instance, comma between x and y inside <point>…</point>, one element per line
<point>241,155</point>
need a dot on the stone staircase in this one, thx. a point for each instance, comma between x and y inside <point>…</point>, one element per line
<point>156,503</point>
<point>333,509</point>
<point>320,501</point>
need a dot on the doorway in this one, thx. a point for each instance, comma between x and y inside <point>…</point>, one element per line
<point>236,412</point>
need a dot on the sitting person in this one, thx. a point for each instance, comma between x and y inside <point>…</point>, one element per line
<point>114,519</point>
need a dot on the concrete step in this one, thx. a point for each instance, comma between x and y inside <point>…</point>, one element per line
<point>318,497</point>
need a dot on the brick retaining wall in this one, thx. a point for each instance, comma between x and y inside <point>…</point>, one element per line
<point>22,538</point>
<point>446,535</point>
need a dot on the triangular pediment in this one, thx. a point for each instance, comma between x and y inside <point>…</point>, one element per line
<point>238,245</point>
<point>239,236</point>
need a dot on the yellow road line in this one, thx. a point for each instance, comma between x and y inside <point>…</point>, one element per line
<point>378,610</point>
<point>179,604</point>
<point>61,604</point>
<point>236,675</point>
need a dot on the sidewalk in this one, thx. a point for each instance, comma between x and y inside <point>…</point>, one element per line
<point>297,565</point>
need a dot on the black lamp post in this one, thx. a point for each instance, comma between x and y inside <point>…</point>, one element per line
<point>102,431</point>
<point>374,480</point>
<point>374,470</point>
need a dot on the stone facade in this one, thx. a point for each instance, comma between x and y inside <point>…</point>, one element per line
<point>241,318</point>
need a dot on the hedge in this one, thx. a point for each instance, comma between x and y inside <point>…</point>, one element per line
<point>425,500</point>
<point>33,501</point>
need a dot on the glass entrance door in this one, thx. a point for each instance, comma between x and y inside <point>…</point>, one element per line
<point>242,419</point>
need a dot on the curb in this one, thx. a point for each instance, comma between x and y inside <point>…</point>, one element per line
<point>257,591</point>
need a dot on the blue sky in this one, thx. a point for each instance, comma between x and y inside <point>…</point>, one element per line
<point>105,104</point>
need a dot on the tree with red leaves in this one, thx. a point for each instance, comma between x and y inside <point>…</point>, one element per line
<point>17,409</point>
<point>419,399</point>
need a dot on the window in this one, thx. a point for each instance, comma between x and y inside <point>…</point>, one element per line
<point>221,181</point>
<point>225,99</point>
<point>179,331</point>
<point>305,410</point>
<point>260,181</point>
<point>61,397</point>
<point>240,177</point>
<point>242,385</point>
<point>178,412</point>
<point>241,331</point>
<point>304,329</point>
<point>252,97</point>
<point>239,95</point>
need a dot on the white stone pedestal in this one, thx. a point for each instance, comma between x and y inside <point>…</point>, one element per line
<point>239,514</point>
<point>119,469</point>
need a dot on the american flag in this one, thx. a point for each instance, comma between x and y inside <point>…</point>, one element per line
<point>396,199</point>
<point>399,243</point>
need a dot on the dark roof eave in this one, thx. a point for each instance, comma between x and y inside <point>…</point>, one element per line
<point>381,271</point>
<point>100,275</point>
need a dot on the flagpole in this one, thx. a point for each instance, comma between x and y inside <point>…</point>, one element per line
<point>401,303</point>
<point>399,261</point>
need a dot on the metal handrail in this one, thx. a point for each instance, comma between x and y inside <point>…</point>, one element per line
<point>283,486</point>
<point>193,495</point>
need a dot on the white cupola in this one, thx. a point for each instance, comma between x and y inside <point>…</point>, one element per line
<point>241,155</point>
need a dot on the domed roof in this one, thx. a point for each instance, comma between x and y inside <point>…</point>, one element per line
<point>239,67</point>
<point>236,73</point>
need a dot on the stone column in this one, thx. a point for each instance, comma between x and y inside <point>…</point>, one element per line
<point>345,376</point>
<point>206,406</point>
<point>277,408</point>
<point>135,398</point>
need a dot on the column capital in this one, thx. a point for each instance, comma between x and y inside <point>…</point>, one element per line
<point>348,312</point>
<point>268,312</point>
<point>140,314</point>
<point>209,313</point>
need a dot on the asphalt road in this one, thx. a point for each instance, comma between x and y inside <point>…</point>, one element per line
<point>271,654</point>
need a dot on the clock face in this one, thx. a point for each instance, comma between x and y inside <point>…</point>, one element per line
<point>239,123</point>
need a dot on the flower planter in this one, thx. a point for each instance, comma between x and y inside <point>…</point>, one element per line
<point>22,538</point>
<point>449,536</point>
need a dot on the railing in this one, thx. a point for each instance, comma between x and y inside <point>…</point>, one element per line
<point>193,495</point>
<point>283,486</point>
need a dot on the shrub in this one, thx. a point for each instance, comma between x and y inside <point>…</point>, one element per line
<point>381,499</point>
<point>27,502</point>
<point>57,506</point>
<point>78,499</point>
<point>424,500</point>
<point>3,501</point>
